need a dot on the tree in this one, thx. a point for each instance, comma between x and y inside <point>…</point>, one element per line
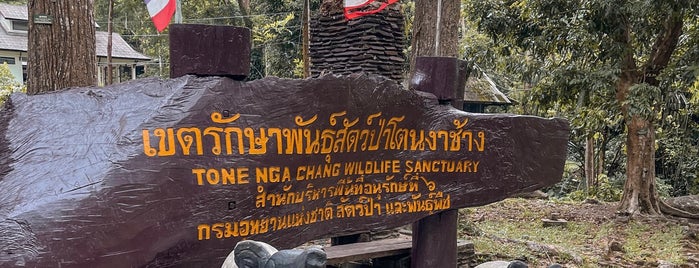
<point>616,51</point>
<point>8,85</point>
<point>435,29</point>
<point>61,54</point>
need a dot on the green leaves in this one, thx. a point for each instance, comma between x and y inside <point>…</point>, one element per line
<point>8,85</point>
<point>271,29</point>
<point>585,59</point>
<point>641,100</point>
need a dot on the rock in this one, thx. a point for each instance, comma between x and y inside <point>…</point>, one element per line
<point>538,194</point>
<point>553,223</point>
<point>503,264</point>
<point>666,264</point>
<point>517,264</point>
<point>592,201</point>
<point>494,264</point>
<point>688,203</point>
<point>616,246</point>
<point>689,233</point>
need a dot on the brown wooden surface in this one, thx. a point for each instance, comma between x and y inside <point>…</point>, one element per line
<point>206,50</point>
<point>434,240</point>
<point>381,248</point>
<point>90,177</point>
<point>367,250</point>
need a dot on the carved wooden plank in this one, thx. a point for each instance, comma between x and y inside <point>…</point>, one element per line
<point>155,173</point>
<point>367,250</point>
<point>380,248</point>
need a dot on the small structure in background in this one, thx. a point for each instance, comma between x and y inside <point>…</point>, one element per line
<point>14,25</point>
<point>370,44</point>
<point>481,92</point>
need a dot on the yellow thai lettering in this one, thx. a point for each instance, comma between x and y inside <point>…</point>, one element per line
<point>223,176</point>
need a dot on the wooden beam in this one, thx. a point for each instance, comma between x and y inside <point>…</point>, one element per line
<point>367,250</point>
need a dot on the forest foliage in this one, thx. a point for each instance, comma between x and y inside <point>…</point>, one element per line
<point>560,58</point>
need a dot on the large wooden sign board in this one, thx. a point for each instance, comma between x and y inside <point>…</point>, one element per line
<point>156,173</point>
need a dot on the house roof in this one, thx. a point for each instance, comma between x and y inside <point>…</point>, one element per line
<point>120,49</point>
<point>481,89</point>
<point>13,12</point>
<point>18,41</point>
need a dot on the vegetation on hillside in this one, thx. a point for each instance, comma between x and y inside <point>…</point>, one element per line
<point>593,237</point>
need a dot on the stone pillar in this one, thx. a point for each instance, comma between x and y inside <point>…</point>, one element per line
<point>371,44</point>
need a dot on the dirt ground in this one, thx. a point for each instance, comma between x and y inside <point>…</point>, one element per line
<point>608,250</point>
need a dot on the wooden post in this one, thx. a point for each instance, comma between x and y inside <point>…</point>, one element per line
<point>434,237</point>
<point>206,50</point>
<point>434,241</point>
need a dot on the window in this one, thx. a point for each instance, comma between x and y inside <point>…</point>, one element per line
<point>8,60</point>
<point>18,25</point>
<point>24,73</point>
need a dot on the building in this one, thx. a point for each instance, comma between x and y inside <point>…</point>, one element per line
<point>14,25</point>
<point>482,92</point>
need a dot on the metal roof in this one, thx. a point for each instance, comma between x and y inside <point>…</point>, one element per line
<point>120,49</point>
<point>12,41</point>
<point>481,89</point>
<point>13,12</point>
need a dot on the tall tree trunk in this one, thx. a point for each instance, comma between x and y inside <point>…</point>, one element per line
<point>601,149</point>
<point>244,6</point>
<point>435,33</point>
<point>590,174</point>
<point>639,189</point>
<point>61,54</point>
<point>640,194</point>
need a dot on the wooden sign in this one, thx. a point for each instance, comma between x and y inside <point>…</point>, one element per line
<point>173,173</point>
<point>43,19</point>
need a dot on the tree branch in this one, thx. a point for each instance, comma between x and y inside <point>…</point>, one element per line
<point>663,47</point>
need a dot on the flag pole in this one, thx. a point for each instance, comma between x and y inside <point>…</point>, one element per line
<point>178,11</point>
<point>438,28</point>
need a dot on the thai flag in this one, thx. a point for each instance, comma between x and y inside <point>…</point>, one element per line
<point>161,12</point>
<point>354,8</point>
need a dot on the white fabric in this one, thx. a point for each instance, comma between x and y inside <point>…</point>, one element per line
<point>155,6</point>
<point>356,3</point>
